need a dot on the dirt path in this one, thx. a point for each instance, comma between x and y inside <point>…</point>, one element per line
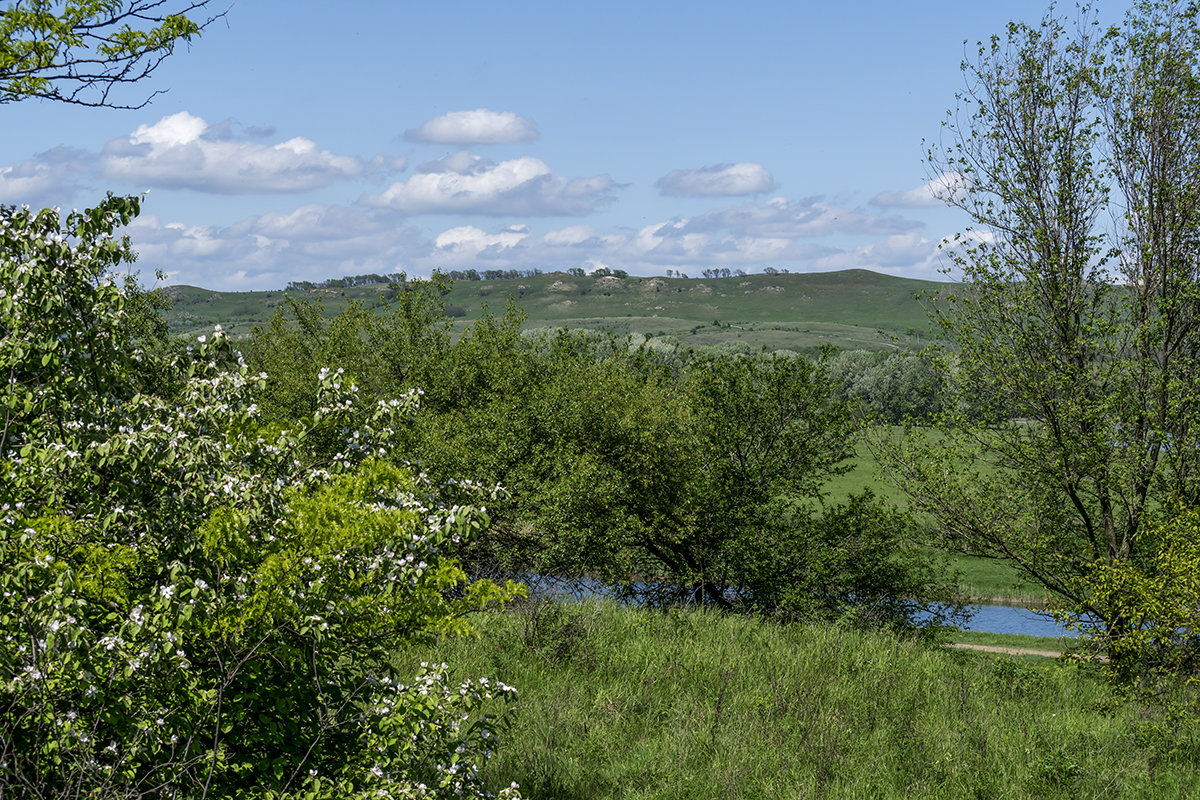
<point>1020,651</point>
<point>1012,651</point>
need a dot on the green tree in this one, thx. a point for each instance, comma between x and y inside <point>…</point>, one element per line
<point>80,51</point>
<point>1075,152</point>
<point>192,602</point>
<point>385,354</point>
<point>698,482</point>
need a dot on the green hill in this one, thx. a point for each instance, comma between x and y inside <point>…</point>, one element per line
<point>850,308</point>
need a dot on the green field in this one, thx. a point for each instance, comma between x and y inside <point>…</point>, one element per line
<point>621,703</point>
<point>852,309</point>
<point>986,580</point>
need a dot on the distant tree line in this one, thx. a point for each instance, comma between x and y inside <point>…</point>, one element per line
<point>489,274</point>
<point>372,278</point>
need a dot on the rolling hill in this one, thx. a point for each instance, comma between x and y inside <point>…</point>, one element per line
<point>853,309</point>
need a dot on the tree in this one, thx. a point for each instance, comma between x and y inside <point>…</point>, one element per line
<point>893,387</point>
<point>80,51</point>
<point>1076,153</point>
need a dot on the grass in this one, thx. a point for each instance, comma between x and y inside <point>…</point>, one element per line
<point>620,703</point>
<point>991,581</point>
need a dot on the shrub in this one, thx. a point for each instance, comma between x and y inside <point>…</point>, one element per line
<point>193,603</point>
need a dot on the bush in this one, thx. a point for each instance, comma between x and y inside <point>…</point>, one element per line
<point>195,603</point>
<point>1148,614</point>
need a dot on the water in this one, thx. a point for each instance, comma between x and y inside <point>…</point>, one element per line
<point>987,618</point>
<point>1013,619</point>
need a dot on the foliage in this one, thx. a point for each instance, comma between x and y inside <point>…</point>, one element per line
<point>1157,658</point>
<point>1075,152</point>
<point>79,51</point>
<point>193,602</point>
<point>384,354</point>
<point>892,388</point>
<point>697,482</point>
<point>55,275</point>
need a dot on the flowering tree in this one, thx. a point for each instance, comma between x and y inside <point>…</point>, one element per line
<point>193,603</point>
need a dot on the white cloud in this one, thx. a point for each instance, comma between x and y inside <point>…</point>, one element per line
<point>480,126</point>
<point>938,191</point>
<point>721,180</point>
<point>468,240</point>
<point>573,235</point>
<point>465,183</point>
<point>676,243</point>
<point>50,178</point>
<point>315,241</point>
<point>782,218</point>
<point>182,151</point>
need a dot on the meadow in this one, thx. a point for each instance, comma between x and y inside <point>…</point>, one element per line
<point>617,702</point>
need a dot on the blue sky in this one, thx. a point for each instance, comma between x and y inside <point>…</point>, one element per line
<point>294,143</point>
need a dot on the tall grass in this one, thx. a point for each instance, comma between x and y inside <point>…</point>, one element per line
<point>621,703</point>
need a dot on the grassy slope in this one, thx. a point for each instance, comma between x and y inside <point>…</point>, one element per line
<point>619,703</point>
<point>799,311</point>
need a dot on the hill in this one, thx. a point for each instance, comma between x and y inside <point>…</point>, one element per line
<point>851,309</point>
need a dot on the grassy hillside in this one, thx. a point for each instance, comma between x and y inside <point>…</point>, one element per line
<point>848,308</point>
<point>621,703</point>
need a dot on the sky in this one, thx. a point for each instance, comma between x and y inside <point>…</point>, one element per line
<point>292,142</point>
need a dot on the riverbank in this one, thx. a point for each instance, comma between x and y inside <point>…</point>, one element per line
<point>618,703</point>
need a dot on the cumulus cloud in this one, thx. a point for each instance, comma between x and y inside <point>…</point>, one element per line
<point>316,241</point>
<point>467,240</point>
<point>902,250</point>
<point>941,189</point>
<point>183,151</point>
<point>721,180</point>
<point>480,126</point>
<point>312,242</point>
<point>50,178</point>
<point>572,236</point>
<point>465,183</point>
<point>786,219</point>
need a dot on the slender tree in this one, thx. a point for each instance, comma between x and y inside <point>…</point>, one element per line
<point>1074,150</point>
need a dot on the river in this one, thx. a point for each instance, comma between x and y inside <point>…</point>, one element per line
<point>987,618</point>
<point>1014,619</point>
